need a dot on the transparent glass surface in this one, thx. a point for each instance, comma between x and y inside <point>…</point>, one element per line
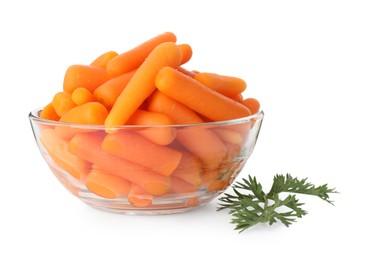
<point>150,169</point>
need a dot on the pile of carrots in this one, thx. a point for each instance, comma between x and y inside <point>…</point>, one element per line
<point>148,87</point>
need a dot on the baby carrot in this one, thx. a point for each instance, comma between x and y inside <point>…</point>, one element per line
<point>192,202</point>
<point>228,135</point>
<point>133,58</point>
<point>49,113</point>
<point>186,72</point>
<point>186,52</point>
<point>106,185</point>
<point>189,169</point>
<point>142,84</point>
<point>198,97</point>
<point>88,113</point>
<point>139,197</point>
<point>103,59</point>
<point>178,112</point>
<point>226,85</point>
<point>81,96</point>
<point>88,147</point>
<point>62,102</point>
<point>179,186</point>
<point>196,140</point>
<point>252,104</point>
<point>108,92</point>
<point>203,143</point>
<point>57,149</point>
<point>159,135</point>
<point>237,98</point>
<point>139,150</point>
<point>217,185</point>
<point>89,77</point>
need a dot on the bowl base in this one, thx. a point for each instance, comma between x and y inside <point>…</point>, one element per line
<point>162,206</point>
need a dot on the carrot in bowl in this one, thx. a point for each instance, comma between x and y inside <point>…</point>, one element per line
<point>142,84</point>
<point>57,148</point>
<point>103,59</point>
<point>178,112</point>
<point>226,85</point>
<point>89,77</point>
<point>186,52</point>
<point>62,103</point>
<point>252,104</point>
<point>204,144</point>
<point>108,92</point>
<point>106,185</point>
<point>139,197</point>
<point>87,146</point>
<point>81,96</point>
<point>189,169</point>
<point>88,113</point>
<point>160,135</point>
<point>139,150</point>
<point>198,97</point>
<point>49,113</point>
<point>133,58</point>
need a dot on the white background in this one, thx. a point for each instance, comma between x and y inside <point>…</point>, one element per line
<point>306,61</point>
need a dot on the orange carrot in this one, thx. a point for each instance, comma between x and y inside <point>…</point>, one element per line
<point>186,72</point>
<point>186,52</point>
<point>198,97</point>
<point>229,135</point>
<point>106,185</point>
<point>81,96</point>
<point>196,140</point>
<point>193,202</point>
<point>179,186</point>
<point>217,185</point>
<point>237,98</point>
<point>49,113</point>
<point>203,143</point>
<point>189,169</point>
<point>139,197</point>
<point>252,104</point>
<point>57,149</point>
<point>89,77</point>
<point>232,150</point>
<point>133,58</point>
<point>139,150</point>
<point>88,113</point>
<point>62,102</point>
<point>226,85</point>
<point>178,112</point>
<point>209,176</point>
<point>103,59</point>
<point>88,147</point>
<point>142,84</point>
<point>108,92</point>
<point>159,135</point>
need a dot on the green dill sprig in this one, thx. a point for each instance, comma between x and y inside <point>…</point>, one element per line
<point>250,205</point>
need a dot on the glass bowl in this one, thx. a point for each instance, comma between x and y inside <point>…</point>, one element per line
<point>146,169</point>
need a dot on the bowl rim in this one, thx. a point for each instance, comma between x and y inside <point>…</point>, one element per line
<point>34,117</point>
